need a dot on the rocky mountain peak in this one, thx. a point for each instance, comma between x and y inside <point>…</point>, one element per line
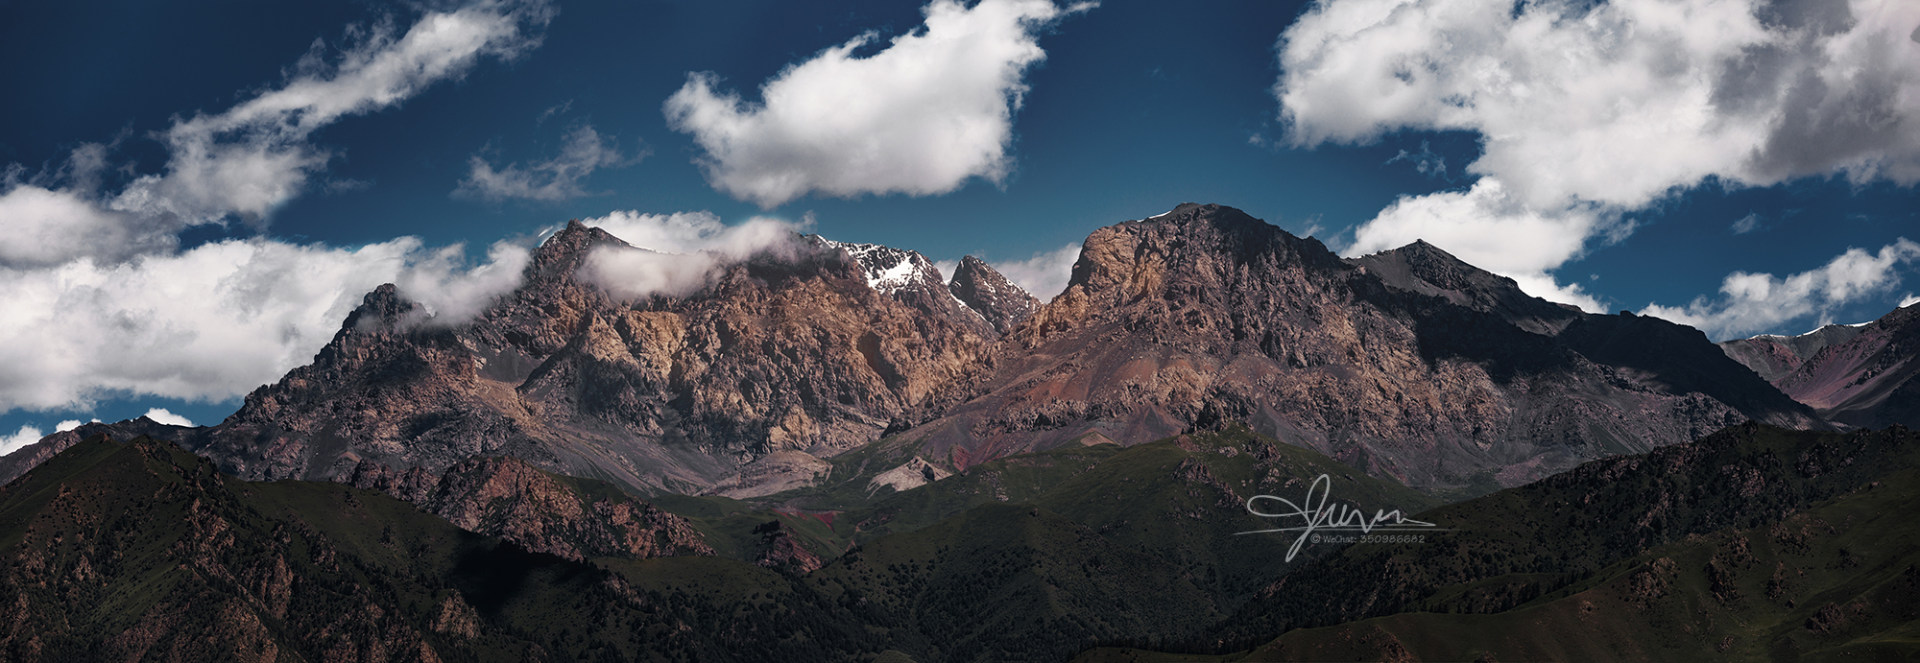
<point>889,270</point>
<point>989,293</point>
<point>562,253</point>
<point>384,308</point>
<point>1426,269</point>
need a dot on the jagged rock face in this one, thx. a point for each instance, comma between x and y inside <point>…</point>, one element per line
<point>1205,315</point>
<point>1864,378</point>
<point>509,499</point>
<point>984,290</point>
<point>1774,357</point>
<point>778,354</point>
<point>909,278</point>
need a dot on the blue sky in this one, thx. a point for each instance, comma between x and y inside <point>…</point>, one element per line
<point>184,180</point>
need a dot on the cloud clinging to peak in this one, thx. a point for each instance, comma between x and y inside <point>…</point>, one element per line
<point>920,117</point>
<point>678,254</point>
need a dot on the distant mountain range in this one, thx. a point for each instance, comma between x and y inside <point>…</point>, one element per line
<point>833,451</point>
<point>1854,375</point>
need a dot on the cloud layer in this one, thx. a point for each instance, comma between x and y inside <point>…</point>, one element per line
<point>678,254</point>
<point>1750,303</point>
<point>920,117</point>
<point>1590,110</point>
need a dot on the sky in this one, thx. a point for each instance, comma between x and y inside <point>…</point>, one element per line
<point>195,193</point>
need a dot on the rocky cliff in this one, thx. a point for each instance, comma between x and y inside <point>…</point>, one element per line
<point>1410,364</point>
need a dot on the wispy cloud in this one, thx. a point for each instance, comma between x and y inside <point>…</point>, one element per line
<point>558,178</point>
<point>252,158</point>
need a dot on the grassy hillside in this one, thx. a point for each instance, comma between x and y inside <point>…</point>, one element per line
<point>1755,543</point>
<point>142,550</point>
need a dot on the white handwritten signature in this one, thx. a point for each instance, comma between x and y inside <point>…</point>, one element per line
<point>1318,515</point>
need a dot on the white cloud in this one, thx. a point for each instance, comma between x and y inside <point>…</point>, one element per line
<point>1750,303</point>
<point>1746,224</point>
<point>69,424</point>
<point>558,178</point>
<point>212,322</point>
<point>678,254</point>
<point>920,117</point>
<point>20,438</point>
<point>161,415</point>
<point>253,157</point>
<point>1486,227</point>
<point>47,227</point>
<point>1043,275</point>
<point>1603,108</point>
<point>1910,298</point>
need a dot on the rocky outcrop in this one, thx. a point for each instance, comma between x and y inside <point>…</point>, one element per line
<point>507,498</point>
<point>984,290</point>
<point>1411,364</point>
<point>780,549</point>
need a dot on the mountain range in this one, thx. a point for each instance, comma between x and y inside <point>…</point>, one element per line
<point>1409,364</point>
<point>832,451</point>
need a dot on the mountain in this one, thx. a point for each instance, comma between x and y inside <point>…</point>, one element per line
<point>1029,559</point>
<point>1861,375</point>
<point>983,289</point>
<point>1409,364</point>
<point>1753,543</point>
<point>738,387</point>
<point>143,551</point>
<point>508,499</point>
<point>1774,356</point>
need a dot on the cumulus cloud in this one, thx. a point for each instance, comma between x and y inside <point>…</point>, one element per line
<point>678,254</point>
<point>1750,303</point>
<point>1043,275</point>
<point>161,415</point>
<point>69,424</point>
<point>20,438</point>
<point>251,158</point>
<point>919,117</point>
<point>212,322</point>
<point>558,178</point>
<point>1607,107</point>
